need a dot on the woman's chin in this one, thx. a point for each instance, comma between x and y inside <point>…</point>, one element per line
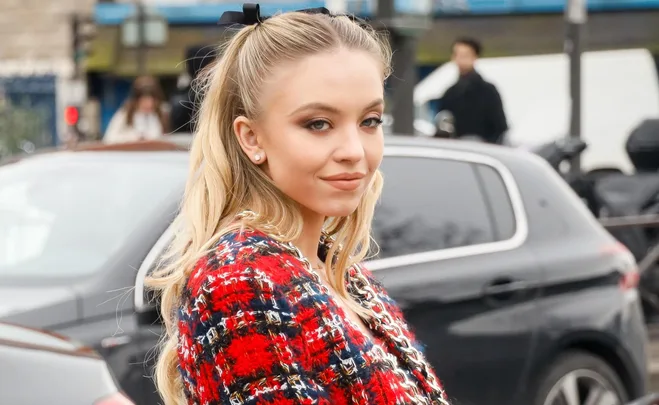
<point>338,208</point>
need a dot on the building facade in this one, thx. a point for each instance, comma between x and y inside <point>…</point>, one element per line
<point>507,27</point>
<point>36,61</point>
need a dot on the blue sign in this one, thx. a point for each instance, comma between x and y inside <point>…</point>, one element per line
<point>365,8</point>
<point>209,13</point>
<point>532,6</point>
<point>204,13</point>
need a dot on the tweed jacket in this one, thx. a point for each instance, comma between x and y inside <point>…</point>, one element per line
<point>257,326</point>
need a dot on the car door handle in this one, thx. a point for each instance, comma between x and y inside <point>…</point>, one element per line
<point>112,342</point>
<point>504,288</point>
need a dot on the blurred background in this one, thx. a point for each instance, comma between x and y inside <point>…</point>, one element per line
<point>67,66</point>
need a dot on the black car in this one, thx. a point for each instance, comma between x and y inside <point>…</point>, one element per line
<point>39,368</point>
<point>519,295</point>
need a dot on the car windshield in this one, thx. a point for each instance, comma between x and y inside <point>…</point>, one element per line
<point>64,215</point>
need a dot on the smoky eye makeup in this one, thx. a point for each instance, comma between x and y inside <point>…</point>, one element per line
<point>374,122</point>
<point>318,124</point>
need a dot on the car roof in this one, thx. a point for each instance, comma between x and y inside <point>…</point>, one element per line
<point>149,152</point>
<point>499,152</point>
<point>174,150</point>
<point>143,150</point>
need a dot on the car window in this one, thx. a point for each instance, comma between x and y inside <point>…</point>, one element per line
<point>498,202</point>
<point>65,217</point>
<point>430,204</point>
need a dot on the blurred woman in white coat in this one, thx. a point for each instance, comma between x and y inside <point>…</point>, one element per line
<point>143,115</point>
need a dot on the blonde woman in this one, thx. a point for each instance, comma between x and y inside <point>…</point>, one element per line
<point>264,299</point>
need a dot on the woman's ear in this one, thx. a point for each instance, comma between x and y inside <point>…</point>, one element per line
<point>243,128</point>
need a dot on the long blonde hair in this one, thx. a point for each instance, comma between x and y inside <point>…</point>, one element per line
<point>223,181</point>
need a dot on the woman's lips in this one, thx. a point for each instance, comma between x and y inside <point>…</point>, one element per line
<point>345,181</point>
<point>345,185</point>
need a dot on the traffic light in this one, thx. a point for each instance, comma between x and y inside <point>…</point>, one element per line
<point>84,31</point>
<point>73,134</point>
<point>71,115</point>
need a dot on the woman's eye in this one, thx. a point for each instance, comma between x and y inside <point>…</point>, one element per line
<point>318,125</point>
<point>372,122</point>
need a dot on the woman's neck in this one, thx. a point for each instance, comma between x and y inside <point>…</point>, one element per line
<point>310,236</point>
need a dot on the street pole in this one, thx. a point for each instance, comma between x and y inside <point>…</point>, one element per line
<point>75,30</point>
<point>405,78</point>
<point>141,38</point>
<point>144,29</point>
<point>404,75</point>
<point>575,16</point>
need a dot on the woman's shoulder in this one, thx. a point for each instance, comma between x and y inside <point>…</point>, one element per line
<point>245,257</point>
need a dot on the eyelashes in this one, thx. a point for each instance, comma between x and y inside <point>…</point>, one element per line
<point>318,125</point>
<point>376,122</point>
<point>322,125</point>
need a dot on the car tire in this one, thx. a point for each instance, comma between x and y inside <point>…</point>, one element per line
<point>589,372</point>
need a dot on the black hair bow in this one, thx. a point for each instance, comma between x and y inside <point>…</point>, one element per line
<point>251,15</point>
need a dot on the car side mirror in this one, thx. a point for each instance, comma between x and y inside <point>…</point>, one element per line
<point>149,313</point>
<point>147,301</point>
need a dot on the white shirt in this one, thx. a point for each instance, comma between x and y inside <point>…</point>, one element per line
<point>145,126</point>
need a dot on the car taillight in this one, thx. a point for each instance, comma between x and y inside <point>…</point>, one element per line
<point>630,280</point>
<point>629,277</point>
<point>114,399</point>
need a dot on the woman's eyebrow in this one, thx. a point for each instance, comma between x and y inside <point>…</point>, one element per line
<point>330,109</point>
<point>316,107</point>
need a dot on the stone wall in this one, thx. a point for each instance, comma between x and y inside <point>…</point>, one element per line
<point>38,32</point>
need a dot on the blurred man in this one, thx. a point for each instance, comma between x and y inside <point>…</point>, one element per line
<point>184,102</point>
<point>475,105</point>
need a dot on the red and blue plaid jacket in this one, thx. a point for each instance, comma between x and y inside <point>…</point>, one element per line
<point>255,327</point>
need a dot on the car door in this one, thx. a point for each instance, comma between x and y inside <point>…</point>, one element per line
<point>450,228</point>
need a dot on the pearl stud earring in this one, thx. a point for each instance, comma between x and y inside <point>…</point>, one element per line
<point>257,157</point>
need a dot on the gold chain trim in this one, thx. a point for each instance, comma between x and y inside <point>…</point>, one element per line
<point>381,321</point>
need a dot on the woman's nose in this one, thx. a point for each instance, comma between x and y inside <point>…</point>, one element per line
<point>351,147</point>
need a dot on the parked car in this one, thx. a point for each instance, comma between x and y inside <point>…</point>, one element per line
<point>43,368</point>
<point>518,293</point>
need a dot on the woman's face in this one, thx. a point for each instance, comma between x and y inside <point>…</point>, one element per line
<point>319,136</point>
<point>146,104</point>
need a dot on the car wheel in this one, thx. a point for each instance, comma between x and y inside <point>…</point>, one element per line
<point>579,378</point>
